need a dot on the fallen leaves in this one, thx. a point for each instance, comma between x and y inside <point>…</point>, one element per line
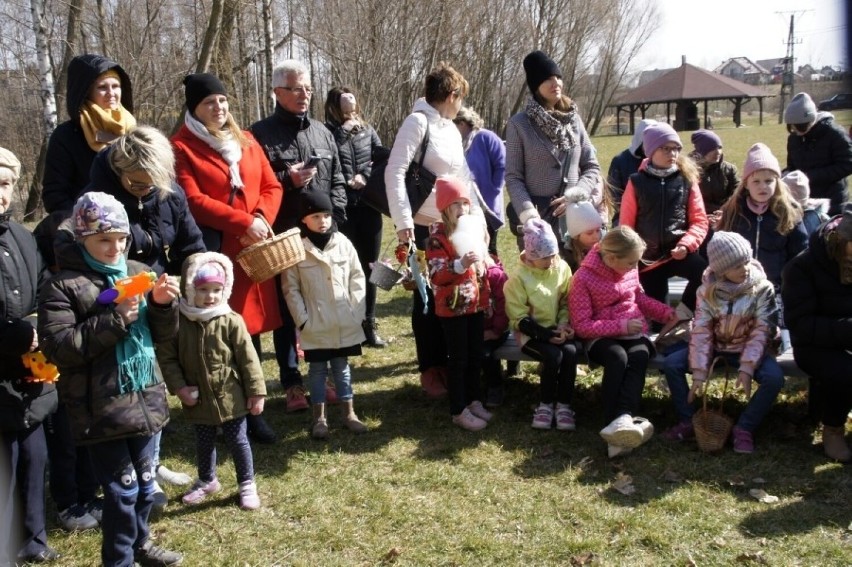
<point>761,496</point>
<point>756,557</point>
<point>392,555</point>
<point>623,483</point>
<point>587,558</point>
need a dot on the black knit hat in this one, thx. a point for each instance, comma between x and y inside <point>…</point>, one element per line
<point>539,67</point>
<point>313,201</point>
<point>199,86</point>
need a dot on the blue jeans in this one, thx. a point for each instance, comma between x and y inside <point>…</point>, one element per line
<point>768,374</point>
<point>318,374</point>
<point>123,468</point>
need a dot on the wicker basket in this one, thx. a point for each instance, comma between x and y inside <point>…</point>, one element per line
<point>713,426</point>
<point>272,256</point>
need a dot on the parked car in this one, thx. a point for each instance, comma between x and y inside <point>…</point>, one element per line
<point>837,102</point>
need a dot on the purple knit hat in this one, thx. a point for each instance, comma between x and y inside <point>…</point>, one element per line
<point>539,240</point>
<point>760,157</point>
<point>706,141</point>
<point>656,136</point>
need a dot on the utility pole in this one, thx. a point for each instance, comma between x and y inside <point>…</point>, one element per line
<point>788,74</point>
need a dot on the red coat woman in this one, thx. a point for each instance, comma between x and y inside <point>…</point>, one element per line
<point>232,192</point>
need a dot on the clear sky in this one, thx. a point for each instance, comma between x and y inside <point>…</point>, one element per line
<point>709,32</point>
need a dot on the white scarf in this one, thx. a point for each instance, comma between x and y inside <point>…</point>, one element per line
<point>202,314</point>
<point>229,149</point>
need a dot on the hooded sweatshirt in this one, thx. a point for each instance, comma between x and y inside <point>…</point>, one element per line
<point>626,164</point>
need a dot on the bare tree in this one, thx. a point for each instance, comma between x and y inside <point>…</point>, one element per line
<point>48,99</point>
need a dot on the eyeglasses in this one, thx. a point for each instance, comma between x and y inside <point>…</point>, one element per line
<point>298,90</point>
<point>670,149</point>
<point>138,187</point>
<point>800,128</point>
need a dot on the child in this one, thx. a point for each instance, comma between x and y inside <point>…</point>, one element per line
<point>662,203</point>
<point>220,385</point>
<point>762,212</point>
<point>719,178</point>
<point>110,385</point>
<point>461,297</point>
<point>814,211</point>
<point>609,310</point>
<point>24,404</point>
<point>537,306</point>
<point>325,293</point>
<point>496,327</point>
<point>735,318</point>
<point>584,229</point>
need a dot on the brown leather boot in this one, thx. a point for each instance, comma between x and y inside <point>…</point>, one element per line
<point>350,420</point>
<point>319,429</point>
<point>834,444</point>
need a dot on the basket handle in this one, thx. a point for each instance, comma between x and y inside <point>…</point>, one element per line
<point>710,374</point>
<point>266,222</point>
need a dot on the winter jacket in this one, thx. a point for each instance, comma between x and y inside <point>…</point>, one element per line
<point>162,229</point>
<point>486,159</point>
<point>815,213</point>
<point>624,165</point>
<point>79,336</point>
<point>498,321</point>
<point>741,320</point>
<point>205,177</point>
<point>355,148</point>
<point>824,154</point>
<point>217,356</point>
<point>325,293</point>
<point>817,306</point>
<point>23,404</point>
<point>69,157</point>
<point>539,294</point>
<point>444,156</point>
<point>665,212</point>
<point>771,248</point>
<point>288,139</point>
<point>602,301</point>
<point>719,180</point>
<point>455,294</point>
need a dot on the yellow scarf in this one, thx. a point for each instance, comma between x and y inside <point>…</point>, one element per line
<point>101,127</point>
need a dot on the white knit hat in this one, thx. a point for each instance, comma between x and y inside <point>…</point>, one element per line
<point>581,217</point>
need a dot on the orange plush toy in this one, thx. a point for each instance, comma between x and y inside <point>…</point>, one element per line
<point>42,370</point>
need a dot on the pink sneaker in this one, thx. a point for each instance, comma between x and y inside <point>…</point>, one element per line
<point>466,420</point>
<point>296,400</point>
<point>743,441</point>
<point>565,420</point>
<point>477,409</point>
<point>543,417</point>
<point>200,490</point>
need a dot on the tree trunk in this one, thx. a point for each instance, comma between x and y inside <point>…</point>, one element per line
<point>48,99</point>
<point>211,37</point>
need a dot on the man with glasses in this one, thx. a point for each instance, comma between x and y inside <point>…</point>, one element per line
<point>303,155</point>
<point>819,148</point>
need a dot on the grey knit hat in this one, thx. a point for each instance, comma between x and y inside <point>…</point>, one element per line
<point>801,110</point>
<point>727,250</point>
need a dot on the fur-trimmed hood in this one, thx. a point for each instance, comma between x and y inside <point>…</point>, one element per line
<point>191,266</point>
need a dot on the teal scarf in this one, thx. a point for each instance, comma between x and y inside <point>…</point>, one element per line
<point>135,352</point>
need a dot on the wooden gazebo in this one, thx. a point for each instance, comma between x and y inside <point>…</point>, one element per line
<point>686,86</point>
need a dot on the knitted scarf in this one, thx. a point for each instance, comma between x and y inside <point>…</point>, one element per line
<point>658,172</point>
<point>556,125</point>
<point>100,127</point>
<point>135,352</point>
<point>229,148</point>
<point>202,314</point>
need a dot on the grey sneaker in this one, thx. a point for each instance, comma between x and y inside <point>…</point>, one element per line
<point>151,555</point>
<point>161,499</point>
<point>75,518</point>
<point>95,508</point>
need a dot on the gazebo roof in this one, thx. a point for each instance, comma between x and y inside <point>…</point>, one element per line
<point>689,82</point>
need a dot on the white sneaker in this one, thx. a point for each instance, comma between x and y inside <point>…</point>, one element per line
<point>466,420</point>
<point>167,476</point>
<point>477,409</point>
<point>616,451</point>
<point>646,426</point>
<point>622,432</point>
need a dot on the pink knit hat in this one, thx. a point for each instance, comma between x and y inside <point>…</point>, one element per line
<point>448,190</point>
<point>539,240</point>
<point>797,183</point>
<point>760,157</point>
<point>211,272</point>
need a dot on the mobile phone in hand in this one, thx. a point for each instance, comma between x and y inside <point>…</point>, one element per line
<point>313,161</point>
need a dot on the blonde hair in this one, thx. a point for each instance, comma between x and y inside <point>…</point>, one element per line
<point>786,210</point>
<point>688,169</point>
<point>230,130</point>
<point>145,149</point>
<point>622,241</point>
<point>470,117</point>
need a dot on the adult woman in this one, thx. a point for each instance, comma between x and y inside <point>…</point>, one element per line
<point>138,169</point>
<point>356,141</point>
<point>486,158</point>
<point>548,152</point>
<point>233,192</point>
<point>445,88</point>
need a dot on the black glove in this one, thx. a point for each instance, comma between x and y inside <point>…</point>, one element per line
<point>532,329</point>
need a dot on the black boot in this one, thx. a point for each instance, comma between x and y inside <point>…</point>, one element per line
<point>373,339</point>
<point>259,430</point>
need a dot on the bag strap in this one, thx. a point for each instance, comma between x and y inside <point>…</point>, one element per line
<point>425,142</point>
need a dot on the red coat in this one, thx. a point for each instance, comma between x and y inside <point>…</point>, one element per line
<point>204,175</point>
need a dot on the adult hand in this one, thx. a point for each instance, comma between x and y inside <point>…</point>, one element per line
<point>358,182</point>
<point>165,290</point>
<point>128,310</point>
<point>255,405</point>
<point>558,206</point>
<point>188,395</point>
<point>257,231</point>
<point>300,175</point>
<point>744,382</point>
<point>34,343</point>
<point>679,252</point>
<point>405,235</point>
<point>635,326</point>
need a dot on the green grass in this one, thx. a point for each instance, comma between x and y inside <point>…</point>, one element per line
<point>416,490</point>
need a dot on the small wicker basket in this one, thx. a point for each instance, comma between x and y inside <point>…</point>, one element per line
<point>713,426</point>
<point>272,256</point>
